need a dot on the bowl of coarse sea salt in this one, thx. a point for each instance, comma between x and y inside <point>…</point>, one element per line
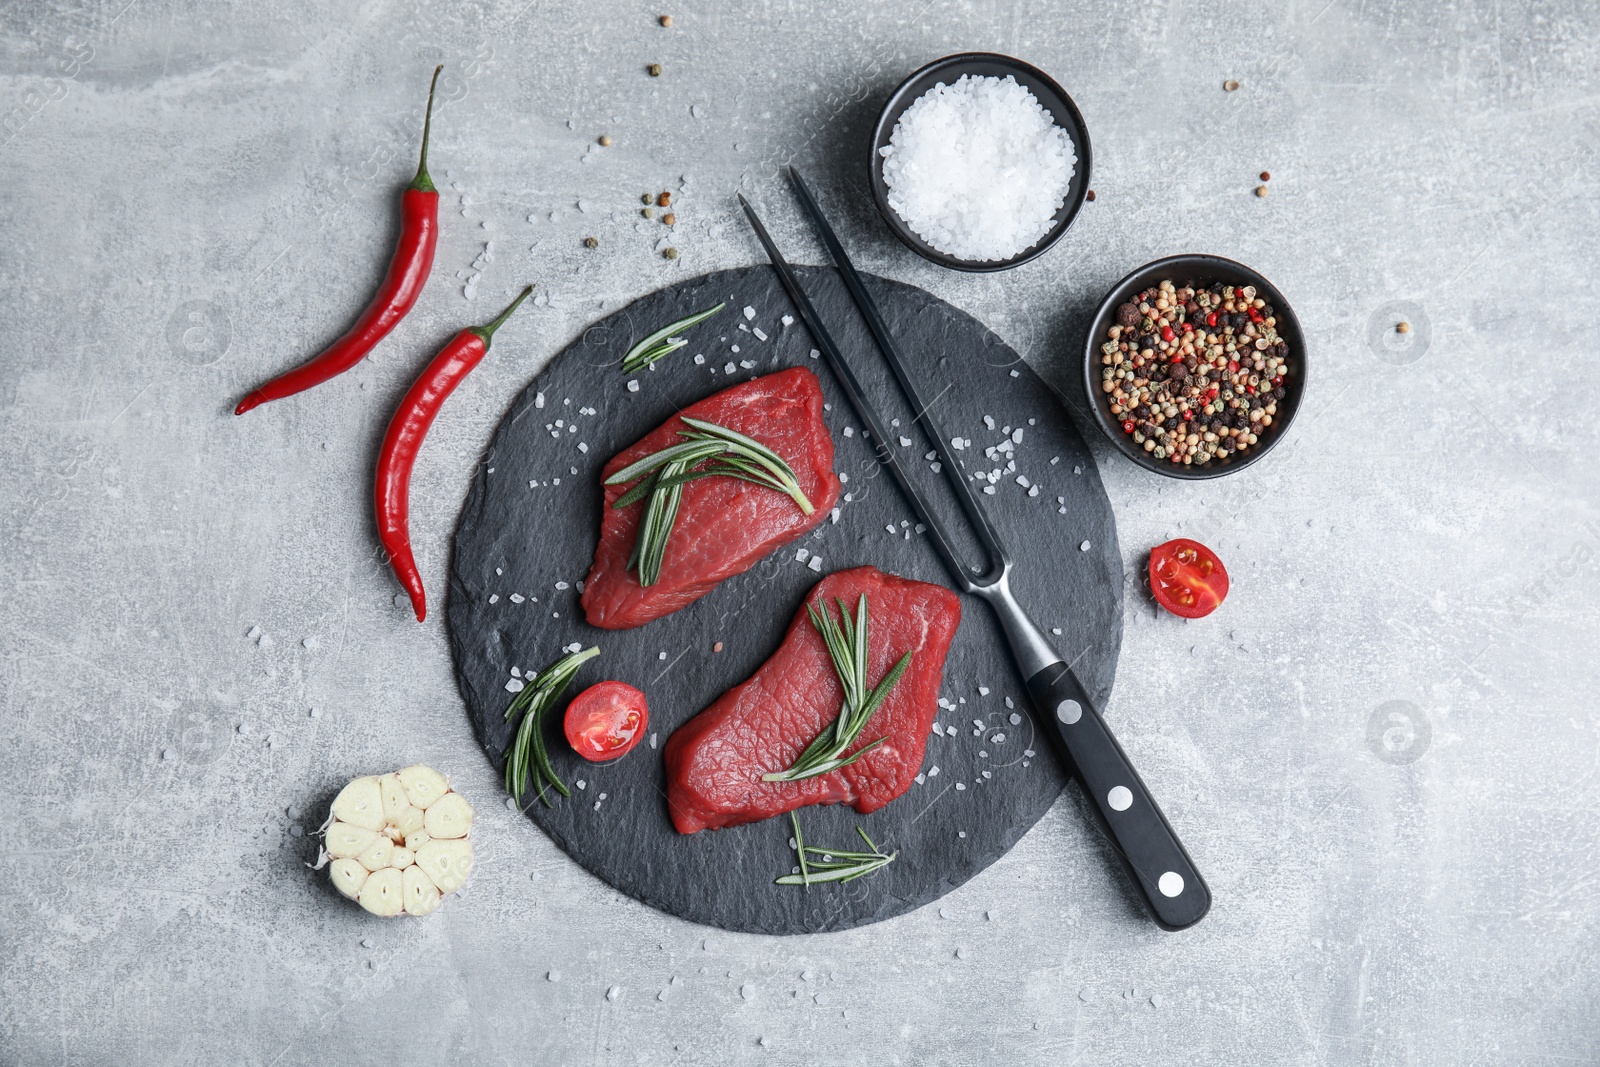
<point>980,161</point>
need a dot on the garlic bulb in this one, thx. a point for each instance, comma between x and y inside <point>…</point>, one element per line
<point>398,843</point>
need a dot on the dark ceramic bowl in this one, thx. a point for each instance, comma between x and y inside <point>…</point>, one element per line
<point>1200,272</point>
<point>984,64</point>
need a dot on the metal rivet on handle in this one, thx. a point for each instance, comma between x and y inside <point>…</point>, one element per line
<point>1069,711</point>
<point>1120,798</point>
<point>1170,884</point>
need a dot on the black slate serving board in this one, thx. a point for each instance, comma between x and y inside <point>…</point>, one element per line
<point>525,540</point>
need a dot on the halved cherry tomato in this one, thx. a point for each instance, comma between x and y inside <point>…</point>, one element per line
<point>605,721</point>
<point>1187,578</point>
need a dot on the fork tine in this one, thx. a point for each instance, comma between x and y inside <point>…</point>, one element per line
<point>842,371</point>
<point>987,536</point>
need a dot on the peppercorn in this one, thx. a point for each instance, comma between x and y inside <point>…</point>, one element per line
<point>669,218</point>
<point>590,242</point>
<point>1089,196</point>
<point>648,212</point>
<point>663,200</point>
<point>1266,176</point>
<point>1404,327</point>
<point>647,199</point>
<point>669,253</point>
<point>1279,393</point>
<point>605,140</point>
<point>1128,315</point>
<point>1261,190</point>
<point>654,70</point>
<point>1230,86</point>
<point>666,22</point>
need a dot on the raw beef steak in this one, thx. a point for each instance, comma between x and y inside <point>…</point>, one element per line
<point>715,760</point>
<point>725,525</point>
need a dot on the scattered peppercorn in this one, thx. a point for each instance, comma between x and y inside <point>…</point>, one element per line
<point>1404,327</point>
<point>1266,175</point>
<point>647,199</point>
<point>669,253</point>
<point>670,219</point>
<point>1261,190</point>
<point>590,242</point>
<point>663,200</point>
<point>1090,196</point>
<point>654,70</point>
<point>1194,375</point>
<point>648,212</point>
<point>605,140</point>
<point>1229,86</point>
<point>717,647</point>
<point>666,21</point>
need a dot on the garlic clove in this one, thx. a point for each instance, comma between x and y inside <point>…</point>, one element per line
<point>447,863</point>
<point>360,804</point>
<point>416,839</point>
<point>395,800</point>
<point>347,876</point>
<point>402,858</point>
<point>448,817</point>
<point>383,893</point>
<point>424,785</point>
<point>346,842</point>
<point>420,894</point>
<point>409,822</point>
<point>376,856</point>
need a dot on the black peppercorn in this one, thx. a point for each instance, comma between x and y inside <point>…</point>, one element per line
<point>1128,315</point>
<point>1171,423</point>
<point>1278,393</point>
<point>1268,311</point>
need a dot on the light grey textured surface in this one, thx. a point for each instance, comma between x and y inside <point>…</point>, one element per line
<point>197,195</point>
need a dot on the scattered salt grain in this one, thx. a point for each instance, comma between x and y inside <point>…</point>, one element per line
<point>633,386</point>
<point>749,312</point>
<point>815,564</point>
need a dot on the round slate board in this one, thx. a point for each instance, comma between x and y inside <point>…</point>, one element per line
<point>528,532</point>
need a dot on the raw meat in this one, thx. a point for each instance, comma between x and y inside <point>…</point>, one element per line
<point>715,760</point>
<point>725,525</point>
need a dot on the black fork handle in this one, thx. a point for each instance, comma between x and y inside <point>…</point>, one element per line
<point>1172,888</point>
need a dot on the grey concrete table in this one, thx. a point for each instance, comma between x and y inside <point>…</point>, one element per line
<point>1380,751</point>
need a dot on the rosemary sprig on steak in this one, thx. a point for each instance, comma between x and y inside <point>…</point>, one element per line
<point>725,453</point>
<point>846,642</point>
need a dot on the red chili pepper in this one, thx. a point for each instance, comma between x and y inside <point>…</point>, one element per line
<point>408,273</point>
<point>391,496</point>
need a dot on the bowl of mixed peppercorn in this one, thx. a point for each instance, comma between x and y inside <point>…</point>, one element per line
<point>1194,366</point>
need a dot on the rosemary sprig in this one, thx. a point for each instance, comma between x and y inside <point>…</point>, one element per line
<point>847,647</point>
<point>727,454</point>
<point>528,751</point>
<point>831,864</point>
<point>663,342</point>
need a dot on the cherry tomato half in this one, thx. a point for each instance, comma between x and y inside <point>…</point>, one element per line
<point>605,721</point>
<point>1187,578</point>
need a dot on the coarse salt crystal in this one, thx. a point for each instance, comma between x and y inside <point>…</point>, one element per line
<point>978,168</point>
